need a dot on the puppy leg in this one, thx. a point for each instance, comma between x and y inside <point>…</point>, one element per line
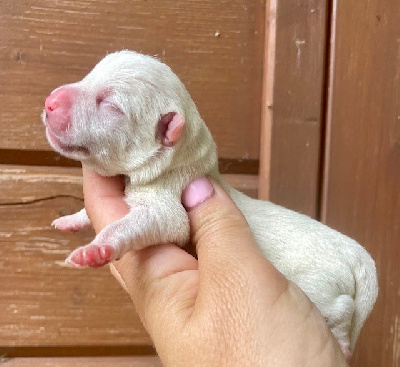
<point>72,223</point>
<point>341,314</point>
<point>144,226</point>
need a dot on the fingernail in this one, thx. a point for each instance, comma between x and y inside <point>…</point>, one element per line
<point>196,192</point>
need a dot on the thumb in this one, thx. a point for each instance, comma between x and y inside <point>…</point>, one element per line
<point>226,249</point>
<point>167,285</point>
<point>218,228</point>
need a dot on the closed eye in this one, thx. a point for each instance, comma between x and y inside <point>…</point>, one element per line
<point>104,101</point>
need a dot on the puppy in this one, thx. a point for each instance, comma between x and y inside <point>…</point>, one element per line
<point>132,116</point>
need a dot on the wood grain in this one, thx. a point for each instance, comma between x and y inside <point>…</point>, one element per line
<point>244,183</point>
<point>362,177</point>
<point>41,303</point>
<point>45,304</point>
<point>295,104</point>
<point>215,47</point>
<point>84,362</point>
<point>267,101</point>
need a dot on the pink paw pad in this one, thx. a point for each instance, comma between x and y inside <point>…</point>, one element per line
<point>94,256</point>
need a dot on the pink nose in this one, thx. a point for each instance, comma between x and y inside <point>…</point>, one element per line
<point>58,106</point>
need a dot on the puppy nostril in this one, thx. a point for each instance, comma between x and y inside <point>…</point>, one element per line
<point>50,104</point>
<point>59,100</point>
<point>51,108</point>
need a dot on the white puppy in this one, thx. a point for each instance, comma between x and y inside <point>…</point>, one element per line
<point>132,116</point>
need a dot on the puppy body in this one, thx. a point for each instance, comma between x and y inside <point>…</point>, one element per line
<point>131,115</point>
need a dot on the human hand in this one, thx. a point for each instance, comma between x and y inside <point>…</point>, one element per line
<point>230,307</point>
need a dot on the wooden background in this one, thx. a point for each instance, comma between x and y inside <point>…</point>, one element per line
<point>302,98</point>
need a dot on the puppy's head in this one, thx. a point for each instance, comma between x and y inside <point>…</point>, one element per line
<point>128,111</point>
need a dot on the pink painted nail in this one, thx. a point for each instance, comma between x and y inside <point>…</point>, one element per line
<point>196,192</point>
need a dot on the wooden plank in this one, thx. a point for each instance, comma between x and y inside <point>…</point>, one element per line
<point>53,159</point>
<point>44,183</point>
<point>362,176</point>
<point>267,100</point>
<point>84,362</point>
<point>247,184</point>
<point>69,351</point>
<point>294,106</point>
<point>215,47</point>
<point>41,303</point>
<point>24,185</point>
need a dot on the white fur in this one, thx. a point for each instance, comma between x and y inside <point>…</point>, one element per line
<point>336,273</point>
<point>74,222</point>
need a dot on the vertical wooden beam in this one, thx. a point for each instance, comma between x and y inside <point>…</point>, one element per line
<point>294,81</point>
<point>330,75</point>
<point>361,195</point>
<point>267,100</point>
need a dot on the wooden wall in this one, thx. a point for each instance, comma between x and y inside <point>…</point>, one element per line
<point>300,95</point>
<point>332,129</point>
<point>293,106</point>
<point>361,193</point>
<point>215,47</point>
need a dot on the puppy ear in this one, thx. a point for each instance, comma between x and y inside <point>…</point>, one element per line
<point>170,128</point>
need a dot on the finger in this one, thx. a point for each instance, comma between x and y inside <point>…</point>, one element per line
<point>218,228</point>
<point>226,248</point>
<point>104,198</point>
<point>140,273</point>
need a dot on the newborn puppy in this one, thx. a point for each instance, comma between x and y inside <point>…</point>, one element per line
<point>132,116</point>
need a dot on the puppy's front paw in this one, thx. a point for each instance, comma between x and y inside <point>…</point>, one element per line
<point>68,224</point>
<point>92,255</point>
<point>72,223</point>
